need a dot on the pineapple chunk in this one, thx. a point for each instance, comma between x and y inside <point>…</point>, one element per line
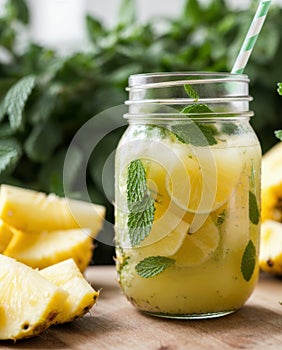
<point>29,303</point>
<point>270,258</point>
<point>32,211</point>
<point>43,249</point>
<point>272,184</point>
<point>81,295</point>
<point>5,235</point>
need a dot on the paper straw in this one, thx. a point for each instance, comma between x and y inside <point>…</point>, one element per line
<point>251,37</point>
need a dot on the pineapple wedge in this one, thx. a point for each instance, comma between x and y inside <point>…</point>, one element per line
<point>5,235</point>
<point>270,258</point>
<point>29,303</point>
<point>33,212</point>
<point>271,195</point>
<point>43,249</point>
<point>82,296</point>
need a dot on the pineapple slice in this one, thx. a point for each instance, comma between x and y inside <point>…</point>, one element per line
<point>43,249</point>
<point>270,258</point>
<point>272,184</point>
<point>32,211</point>
<point>5,235</point>
<point>29,303</point>
<point>81,297</point>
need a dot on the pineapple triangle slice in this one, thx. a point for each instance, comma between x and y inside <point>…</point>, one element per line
<point>29,303</point>
<point>43,249</point>
<point>81,297</point>
<point>32,211</point>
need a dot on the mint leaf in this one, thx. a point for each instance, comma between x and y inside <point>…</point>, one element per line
<point>136,182</point>
<point>248,261</point>
<point>197,134</point>
<point>15,100</point>
<point>278,134</point>
<point>208,132</point>
<point>254,214</point>
<point>8,158</point>
<point>196,108</point>
<point>140,220</point>
<point>153,266</point>
<point>140,204</point>
<point>191,92</point>
<point>203,134</point>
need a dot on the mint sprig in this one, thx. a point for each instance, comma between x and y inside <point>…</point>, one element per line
<point>140,204</point>
<point>153,266</point>
<point>15,100</point>
<point>197,133</point>
<point>248,261</point>
<point>254,214</point>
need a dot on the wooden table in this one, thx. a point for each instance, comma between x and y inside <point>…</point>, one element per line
<point>115,324</point>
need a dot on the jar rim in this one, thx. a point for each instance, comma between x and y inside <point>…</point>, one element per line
<point>203,117</point>
<point>158,79</point>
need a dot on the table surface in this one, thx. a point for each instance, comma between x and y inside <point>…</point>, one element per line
<point>114,324</point>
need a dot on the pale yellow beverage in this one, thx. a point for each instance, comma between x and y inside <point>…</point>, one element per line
<point>187,217</point>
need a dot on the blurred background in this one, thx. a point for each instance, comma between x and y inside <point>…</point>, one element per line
<point>82,52</point>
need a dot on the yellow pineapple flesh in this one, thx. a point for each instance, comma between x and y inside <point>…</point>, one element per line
<point>29,303</point>
<point>81,297</point>
<point>43,249</point>
<point>6,235</point>
<point>32,211</point>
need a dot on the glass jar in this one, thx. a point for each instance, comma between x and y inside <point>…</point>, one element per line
<point>187,202</point>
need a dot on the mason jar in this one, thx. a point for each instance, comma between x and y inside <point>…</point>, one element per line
<point>187,201</point>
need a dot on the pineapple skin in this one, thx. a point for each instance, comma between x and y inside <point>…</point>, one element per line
<point>270,258</point>
<point>29,304</point>
<point>82,296</point>
<point>271,198</point>
<point>32,211</point>
<point>40,250</point>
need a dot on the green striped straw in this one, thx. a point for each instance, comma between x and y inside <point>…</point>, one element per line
<point>251,37</point>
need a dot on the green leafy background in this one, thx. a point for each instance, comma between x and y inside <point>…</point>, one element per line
<point>47,97</point>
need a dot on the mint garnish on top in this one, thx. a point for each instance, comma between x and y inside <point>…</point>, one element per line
<point>140,204</point>
<point>195,133</point>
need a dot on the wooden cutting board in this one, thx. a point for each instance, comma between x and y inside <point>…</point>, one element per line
<point>114,324</point>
